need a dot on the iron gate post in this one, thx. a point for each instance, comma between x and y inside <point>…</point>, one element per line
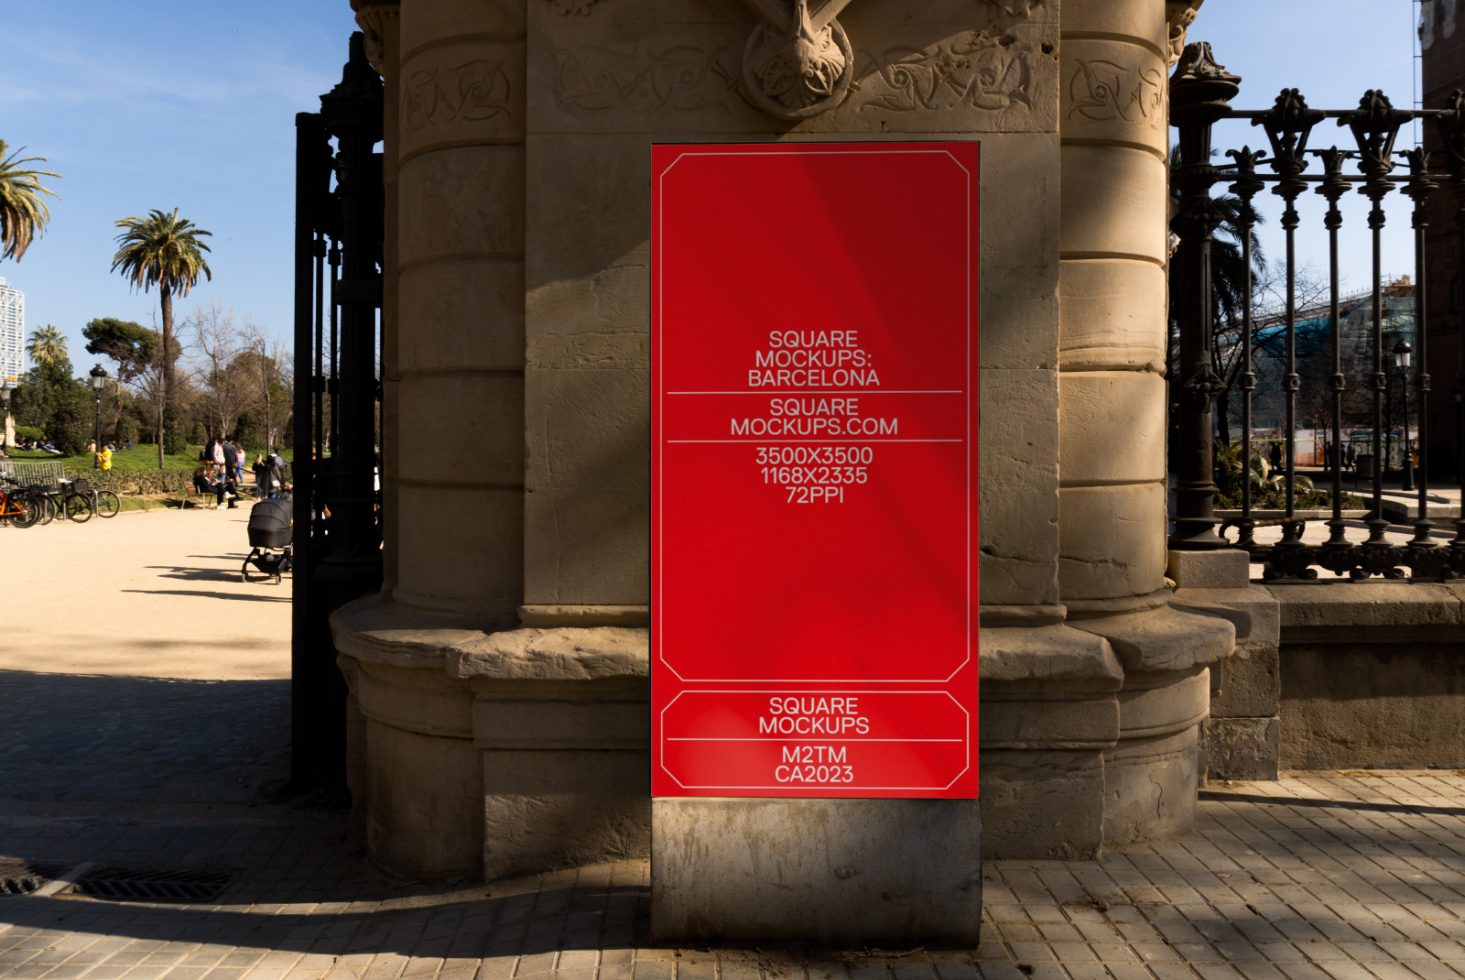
<point>352,114</point>
<point>307,619</point>
<point>1200,91</point>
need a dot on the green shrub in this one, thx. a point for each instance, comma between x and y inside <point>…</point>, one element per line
<point>1268,485</point>
<point>72,423</point>
<point>28,432</point>
<point>132,482</point>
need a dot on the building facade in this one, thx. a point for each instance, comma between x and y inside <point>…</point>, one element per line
<point>12,350</point>
<point>12,334</point>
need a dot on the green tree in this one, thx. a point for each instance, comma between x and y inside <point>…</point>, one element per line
<point>23,211</point>
<point>47,346</point>
<point>131,346</point>
<point>166,251</point>
<point>57,404</point>
<point>127,430</point>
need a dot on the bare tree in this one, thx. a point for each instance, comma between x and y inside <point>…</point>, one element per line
<point>220,340</point>
<point>266,365</point>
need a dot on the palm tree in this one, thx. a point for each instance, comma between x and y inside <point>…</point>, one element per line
<point>162,250</point>
<point>23,215</point>
<point>46,345</point>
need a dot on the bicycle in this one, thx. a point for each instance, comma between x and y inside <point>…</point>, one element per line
<point>18,507</point>
<point>65,501</point>
<point>105,503</point>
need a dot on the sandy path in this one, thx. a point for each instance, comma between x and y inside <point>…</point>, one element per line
<point>153,594</point>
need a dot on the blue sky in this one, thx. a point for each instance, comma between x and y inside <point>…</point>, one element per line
<point>1333,51</point>
<point>191,103</point>
<point>162,104</point>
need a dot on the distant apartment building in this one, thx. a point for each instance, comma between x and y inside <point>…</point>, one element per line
<point>12,334</point>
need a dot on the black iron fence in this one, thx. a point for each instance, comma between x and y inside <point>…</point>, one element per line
<point>338,254</point>
<point>1331,371</point>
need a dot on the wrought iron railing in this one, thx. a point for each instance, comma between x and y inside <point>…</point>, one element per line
<point>1290,165</point>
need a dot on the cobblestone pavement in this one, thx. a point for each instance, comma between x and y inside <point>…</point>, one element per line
<point>1337,875</point>
<point>1343,875</point>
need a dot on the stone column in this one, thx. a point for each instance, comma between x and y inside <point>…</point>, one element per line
<point>1112,506</point>
<point>453,295</point>
<point>382,23</point>
<point>460,405</point>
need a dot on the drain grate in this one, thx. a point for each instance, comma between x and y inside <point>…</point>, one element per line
<point>123,884</point>
<point>26,877</point>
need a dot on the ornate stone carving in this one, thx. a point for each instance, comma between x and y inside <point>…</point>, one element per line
<point>569,7</point>
<point>798,66</point>
<point>1180,14</point>
<point>972,71</point>
<point>473,91</point>
<point>682,78</point>
<point>376,18</point>
<point>1015,8</point>
<point>1106,90</point>
<point>966,72</point>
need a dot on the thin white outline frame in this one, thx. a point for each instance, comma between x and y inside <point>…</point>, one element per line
<point>662,394</point>
<point>829,788</point>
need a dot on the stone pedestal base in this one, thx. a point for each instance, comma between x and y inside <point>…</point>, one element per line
<point>830,872</point>
<point>1242,736</point>
<point>493,753</point>
<point>1090,729</point>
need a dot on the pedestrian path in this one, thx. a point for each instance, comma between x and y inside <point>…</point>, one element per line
<point>128,777</point>
<point>1337,875</point>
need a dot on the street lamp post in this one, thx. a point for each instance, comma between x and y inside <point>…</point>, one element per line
<point>1403,355</point>
<point>97,382</point>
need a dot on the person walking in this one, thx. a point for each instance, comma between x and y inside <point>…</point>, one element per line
<point>229,465</point>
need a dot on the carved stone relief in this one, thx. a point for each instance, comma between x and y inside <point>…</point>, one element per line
<point>1104,90</point>
<point>1015,8</point>
<point>972,71</point>
<point>681,77</point>
<point>569,7</point>
<point>474,91</point>
<point>797,65</point>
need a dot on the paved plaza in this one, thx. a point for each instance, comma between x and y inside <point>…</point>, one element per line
<point>138,763</point>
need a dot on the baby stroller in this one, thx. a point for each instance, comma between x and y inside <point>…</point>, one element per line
<point>271,532</point>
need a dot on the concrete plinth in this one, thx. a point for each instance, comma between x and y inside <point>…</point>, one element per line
<point>829,872</point>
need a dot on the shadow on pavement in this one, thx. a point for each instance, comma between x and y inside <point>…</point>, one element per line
<point>201,574</point>
<point>239,596</point>
<point>139,739</point>
<point>1356,805</point>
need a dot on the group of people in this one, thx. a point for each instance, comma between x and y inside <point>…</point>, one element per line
<point>222,472</point>
<point>44,444</point>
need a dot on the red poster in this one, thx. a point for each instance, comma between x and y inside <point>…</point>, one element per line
<point>814,470</point>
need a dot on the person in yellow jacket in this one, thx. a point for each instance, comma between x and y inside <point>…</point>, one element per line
<point>104,458</point>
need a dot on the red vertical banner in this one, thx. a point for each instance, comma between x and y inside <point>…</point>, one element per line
<point>814,470</point>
